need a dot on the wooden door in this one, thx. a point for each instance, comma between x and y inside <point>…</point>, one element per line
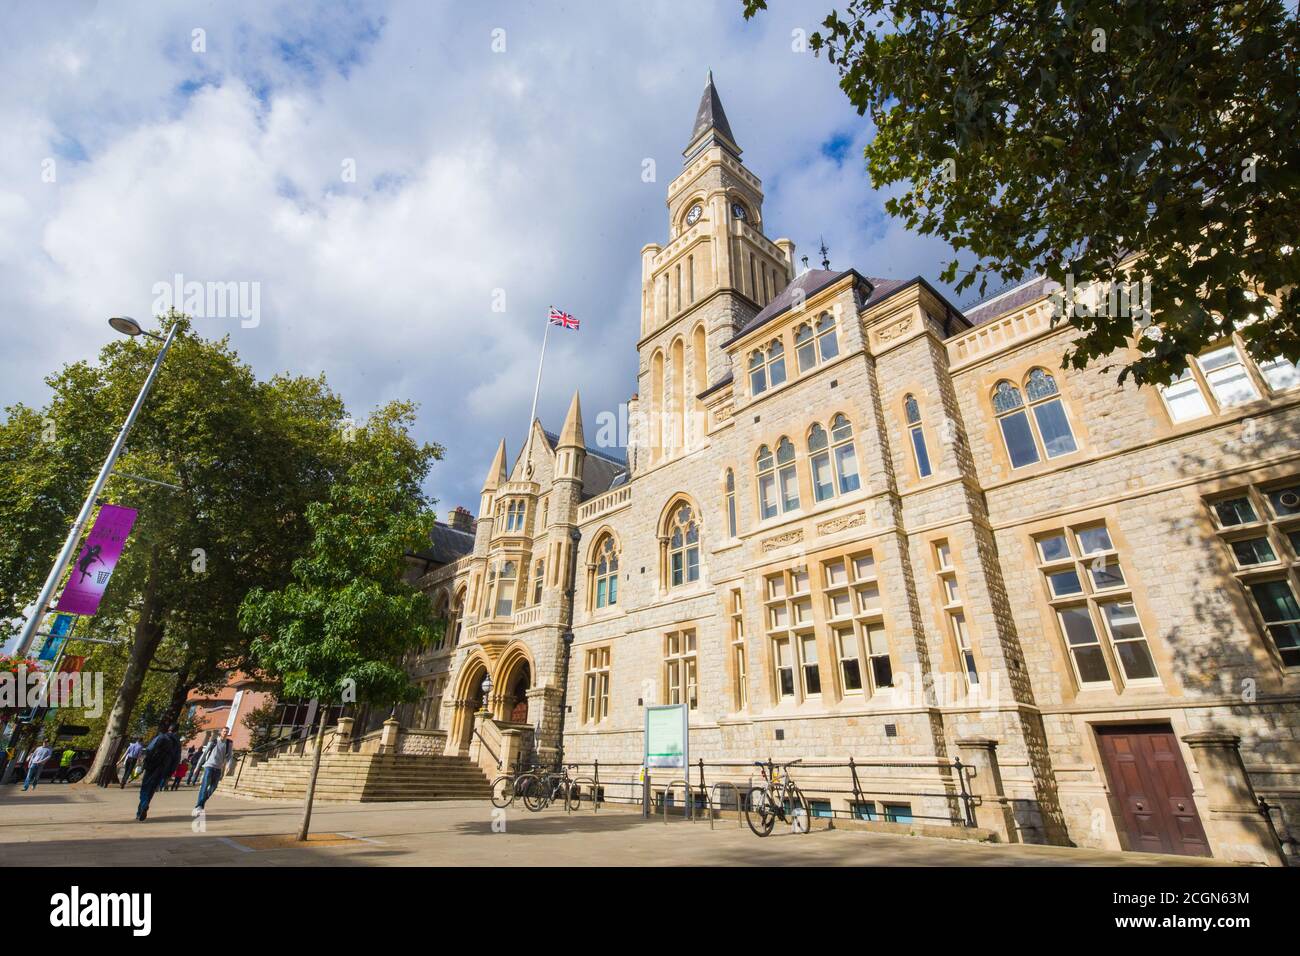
<point>1150,783</point>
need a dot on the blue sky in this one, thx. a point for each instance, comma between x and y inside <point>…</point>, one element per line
<point>220,155</point>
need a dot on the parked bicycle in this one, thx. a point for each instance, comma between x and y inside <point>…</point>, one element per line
<point>539,789</point>
<point>505,787</point>
<point>778,798</point>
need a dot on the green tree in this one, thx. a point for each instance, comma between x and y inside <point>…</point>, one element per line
<point>1109,141</point>
<point>246,457</point>
<point>340,629</point>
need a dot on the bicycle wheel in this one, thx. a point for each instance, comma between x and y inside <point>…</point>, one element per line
<point>797,809</point>
<point>532,790</point>
<point>760,813</point>
<point>503,790</point>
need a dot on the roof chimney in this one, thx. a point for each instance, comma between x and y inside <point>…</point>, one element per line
<point>462,520</point>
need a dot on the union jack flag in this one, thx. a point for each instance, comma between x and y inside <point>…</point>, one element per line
<point>563,319</point>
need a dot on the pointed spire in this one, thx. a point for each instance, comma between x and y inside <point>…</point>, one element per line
<point>571,433</point>
<point>711,124</point>
<point>497,473</point>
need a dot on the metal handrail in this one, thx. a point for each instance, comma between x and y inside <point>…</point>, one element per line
<point>488,747</point>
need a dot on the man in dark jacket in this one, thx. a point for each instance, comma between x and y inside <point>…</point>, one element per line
<point>160,760</point>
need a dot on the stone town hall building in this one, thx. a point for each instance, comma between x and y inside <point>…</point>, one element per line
<point>854,521</point>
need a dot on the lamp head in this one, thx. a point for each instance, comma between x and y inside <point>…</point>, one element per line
<point>126,325</point>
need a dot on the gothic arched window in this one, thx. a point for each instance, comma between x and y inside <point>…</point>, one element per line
<point>828,346</point>
<point>507,579</point>
<point>683,546</point>
<point>775,363</point>
<point>846,458</point>
<point>787,477</point>
<point>606,572</point>
<point>912,410</point>
<point>765,466</point>
<point>1048,433</point>
<point>457,617</point>
<point>805,347</point>
<point>539,570</point>
<point>819,457</point>
<point>757,373</point>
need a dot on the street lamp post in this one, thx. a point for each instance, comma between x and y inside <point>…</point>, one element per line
<point>127,326</point>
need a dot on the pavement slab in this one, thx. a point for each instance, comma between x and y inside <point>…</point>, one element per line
<point>83,825</point>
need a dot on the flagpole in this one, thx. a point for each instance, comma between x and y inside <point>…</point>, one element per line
<point>532,417</point>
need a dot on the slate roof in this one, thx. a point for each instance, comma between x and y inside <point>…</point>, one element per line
<point>447,544</point>
<point>600,469</point>
<point>999,304</point>
<point>710,114</point>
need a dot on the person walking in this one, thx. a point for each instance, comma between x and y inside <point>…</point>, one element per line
<point>132,755</point>
<point>179,773</point>
<point>214,761</point>
<point>193,758</point>
<point>34,765</point>
<point>160,759</point>
<point>65,764</point>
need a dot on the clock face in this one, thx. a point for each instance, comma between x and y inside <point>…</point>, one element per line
<point>694,215</point>
<point>738,211</point>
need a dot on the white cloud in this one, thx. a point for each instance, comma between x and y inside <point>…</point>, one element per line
<point>475,171</point>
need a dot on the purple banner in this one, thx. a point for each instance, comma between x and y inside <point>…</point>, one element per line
<point>94,566</point>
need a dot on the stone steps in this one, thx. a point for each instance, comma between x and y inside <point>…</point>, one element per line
<point>364,778</point>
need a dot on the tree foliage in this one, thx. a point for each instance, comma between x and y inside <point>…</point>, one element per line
<point>1108,141</point>
<point>340,629</point>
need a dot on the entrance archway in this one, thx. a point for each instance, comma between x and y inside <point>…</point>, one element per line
<point>469,702</point>
<point>511,686</point>
<point>517,695</point>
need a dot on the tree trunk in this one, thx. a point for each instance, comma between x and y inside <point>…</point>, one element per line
<point>180,690</point>
<point>311,781</point>
<point>148,635</point>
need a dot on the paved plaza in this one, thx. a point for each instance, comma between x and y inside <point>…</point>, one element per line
<point>60,825</point>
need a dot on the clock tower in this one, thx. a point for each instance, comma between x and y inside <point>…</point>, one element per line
<point>717,271</point>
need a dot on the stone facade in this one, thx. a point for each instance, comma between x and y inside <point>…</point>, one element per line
<point>910,594</point>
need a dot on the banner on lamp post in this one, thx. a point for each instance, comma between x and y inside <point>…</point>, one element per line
<point>98,557</point>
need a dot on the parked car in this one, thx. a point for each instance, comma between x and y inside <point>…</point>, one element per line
<point>80,766</point>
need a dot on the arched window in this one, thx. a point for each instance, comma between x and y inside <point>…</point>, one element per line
<point>731,503</point>
<point>757,373</point>
<point>683,546</point>
<point>819,457</point>
<point>457,617</point>
<point>507,579</point>
<point>913,413</point>
<point>775,363</point>
<point>440,612</point>
<point>828,346</point>
<point>805,347</point>
<point>606,572</point>
<point>846,458</point>
<point>1049,414</point>
<point>1026,444</point>
<point>766,470</point>
<point>515,515</point>
<point>787,476</point>
<point>538,570</point>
